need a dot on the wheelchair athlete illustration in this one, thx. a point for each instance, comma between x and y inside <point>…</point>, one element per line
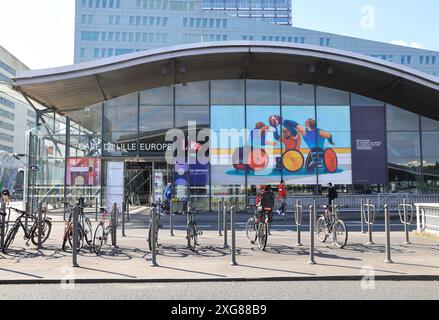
<point>292,158</point>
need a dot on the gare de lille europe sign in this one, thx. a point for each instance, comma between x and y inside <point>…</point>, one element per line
<point>127,147</point>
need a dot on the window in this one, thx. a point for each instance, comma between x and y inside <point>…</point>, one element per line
<point>82,54</point>
<point>7,103</point>
<point>6,126</point>
<point>89,36</point>
<point>6,148</point>
<point>421,59</point>
<point>7,114</point>
<point>6,137</point>
<point>104,36</point>
<point>165,21</point>
<point>185,22</point>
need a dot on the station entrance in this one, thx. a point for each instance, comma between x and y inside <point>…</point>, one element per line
<point>145,181</point>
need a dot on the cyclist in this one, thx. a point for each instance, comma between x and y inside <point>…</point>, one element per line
<point>332,193</point>
<point>267,202</point>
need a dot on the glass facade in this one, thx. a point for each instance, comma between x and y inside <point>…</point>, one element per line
<point>307,135</point>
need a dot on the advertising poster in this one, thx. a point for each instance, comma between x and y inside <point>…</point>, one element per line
<point>369,145</point>
<point>83,172</point>
<point>115,184</point>
<point>158,185</point>
<point>291,143</point>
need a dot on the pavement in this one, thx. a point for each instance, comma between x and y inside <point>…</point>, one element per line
<point>232,292</point>
<point>130,262</point>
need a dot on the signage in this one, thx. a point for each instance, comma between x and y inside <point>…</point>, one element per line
<point>158,185</point>
<point>115,184</point>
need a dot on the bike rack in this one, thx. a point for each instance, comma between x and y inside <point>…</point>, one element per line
<point>225,246</point>
<point>405,212</point>
<point>77,211</point>
<point>154,244</point>
<point>3,224</point>
<point>312,215</point>
<point>114,222</point>
<point>233,230</point>
<point>298,212</point>
<point>369,218</point>
<point>220,205</point>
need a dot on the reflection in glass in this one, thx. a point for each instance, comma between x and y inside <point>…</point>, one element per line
<point>401,120</point>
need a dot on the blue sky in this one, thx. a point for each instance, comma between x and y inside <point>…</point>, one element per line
<point>41,33</point>
<point>403,21</point>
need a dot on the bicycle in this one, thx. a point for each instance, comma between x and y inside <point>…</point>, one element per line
<point>31,234</point>
<point>330,223</point>
<point>192,232</point>
<point>102,233</point>
<point>85,231</point>
<point>257,228</point>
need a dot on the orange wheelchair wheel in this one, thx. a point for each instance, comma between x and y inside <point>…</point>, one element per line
<point>330,160</point>
<point>292,160</point>
<point>258,159</point>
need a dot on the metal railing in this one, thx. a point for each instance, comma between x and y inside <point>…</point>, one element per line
<point>427,217</point>
<point>352,202</point>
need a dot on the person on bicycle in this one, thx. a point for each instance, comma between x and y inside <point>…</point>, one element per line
<point>267,202</point>
<point>281,195</point>
<point>6,196</point>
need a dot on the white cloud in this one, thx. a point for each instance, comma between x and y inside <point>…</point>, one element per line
<point>412,44</point>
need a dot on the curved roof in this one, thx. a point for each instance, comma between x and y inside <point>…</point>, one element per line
<point>73,87</point>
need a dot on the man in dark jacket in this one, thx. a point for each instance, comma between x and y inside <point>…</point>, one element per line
<point>332,193</point>
<point>267,204</point>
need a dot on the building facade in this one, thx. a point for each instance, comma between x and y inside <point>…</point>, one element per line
<point>16,117</point>
<point>105,28</point>
<point>262,122</point>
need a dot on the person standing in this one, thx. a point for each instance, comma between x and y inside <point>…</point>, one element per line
<point>281,196</point>
<point>167,195</point>
<point>332,193</point>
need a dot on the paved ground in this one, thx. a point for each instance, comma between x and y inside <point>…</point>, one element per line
<point>285,290</point>
<point>282,259</point>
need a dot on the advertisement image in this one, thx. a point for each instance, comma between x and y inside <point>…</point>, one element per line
<point>296,144</point>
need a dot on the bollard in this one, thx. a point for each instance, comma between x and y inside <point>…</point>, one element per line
<point>233,229</point>
<point>387,227</point>
<point>220,203</point>
<point>298,218</point>
<point>153,239</point>
<point>171,222</point>
<point>123,219</point>
<point>312,212</point>
<point>75,213</point>
<point>225,225</point>
<point>3,224</point>
<point>114,224</point>
<point>40,223</point>
<point>369,224</point>
<point>362,216</point>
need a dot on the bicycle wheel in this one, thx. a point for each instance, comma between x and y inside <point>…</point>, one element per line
<point>98,239</point>
<point>340,234</point>
<point>321,229</point>
<point>10,237</point>
<point>88,231</point>
<point>191,234</point>
<point>292,160</point>
<point>330,160</point>
<point>250,230</point>
<point>80,241</point>
<point>262,235</point>
<point>47,228</point>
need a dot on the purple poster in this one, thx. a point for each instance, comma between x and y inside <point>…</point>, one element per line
<point>369,161</point>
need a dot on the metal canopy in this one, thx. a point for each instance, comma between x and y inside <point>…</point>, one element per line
<point>77,86</point>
